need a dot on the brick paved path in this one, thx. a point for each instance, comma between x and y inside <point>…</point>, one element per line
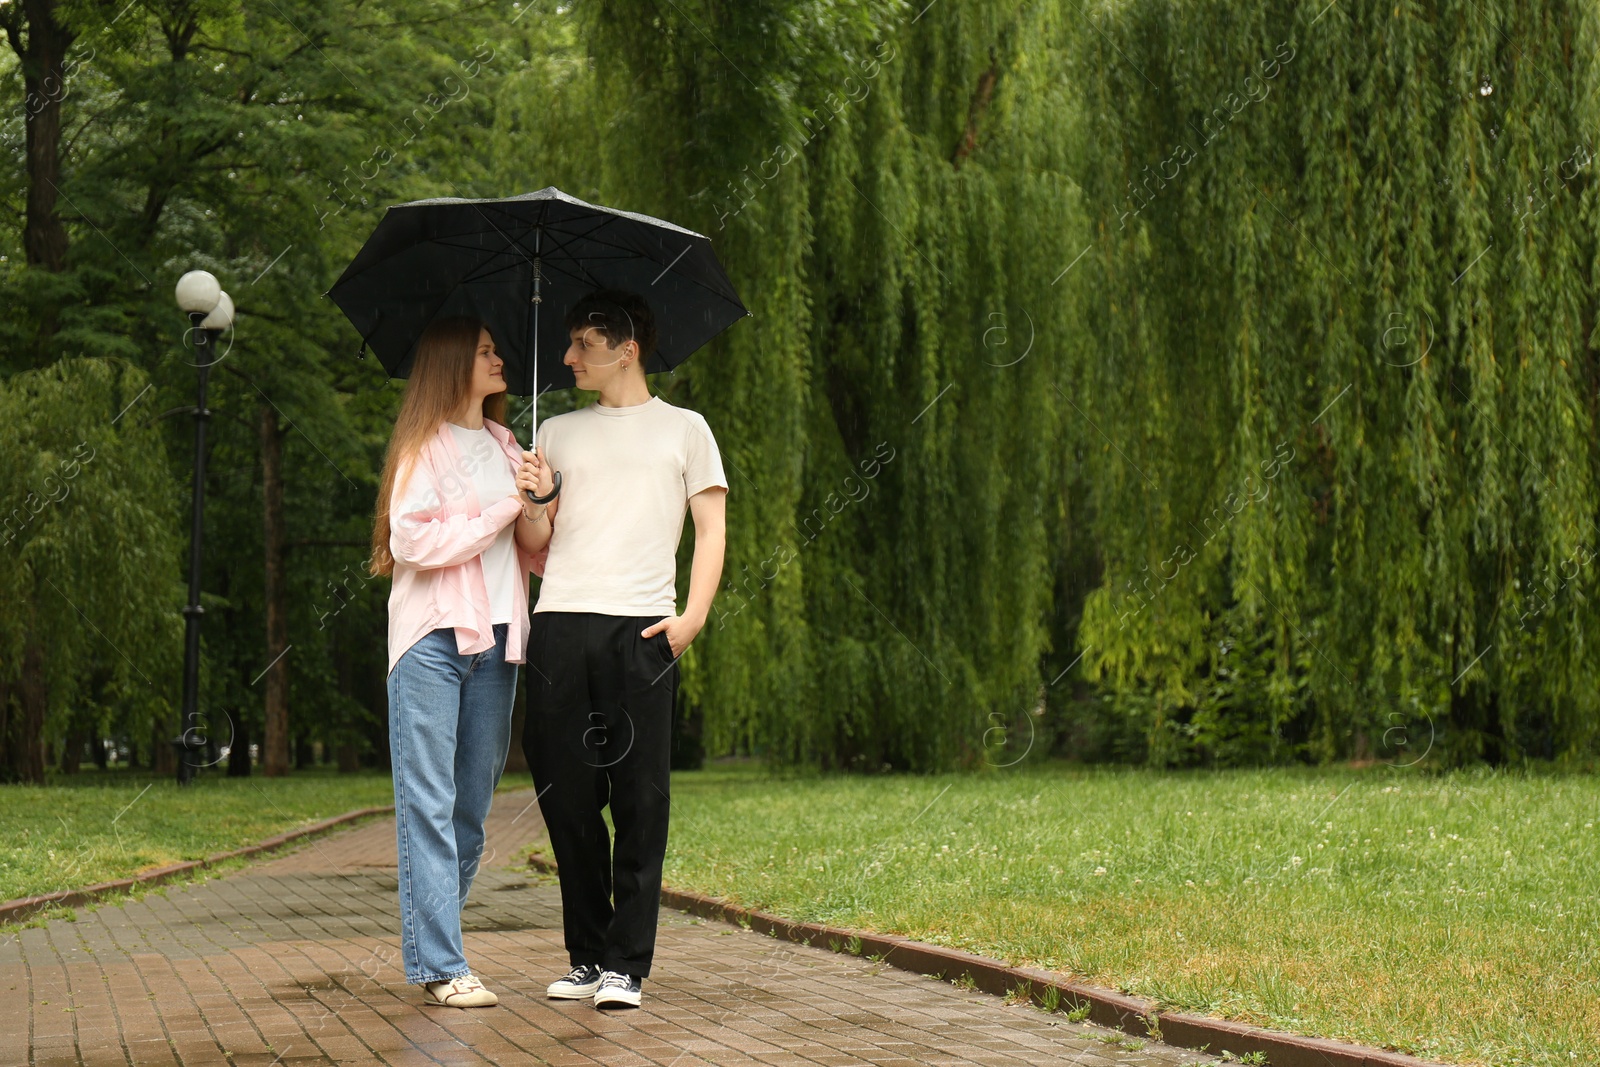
<point>295,961</point>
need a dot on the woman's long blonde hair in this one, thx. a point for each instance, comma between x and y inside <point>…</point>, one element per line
<point>440,382</point>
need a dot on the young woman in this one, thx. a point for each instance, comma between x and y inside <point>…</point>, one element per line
<point>458,538</point>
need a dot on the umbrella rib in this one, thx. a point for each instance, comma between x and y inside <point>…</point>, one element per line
<point>556,264</point>
<point>549,267</point>
<point>561,246</point>
<point>448,241</point>
<point>608,219</point>
<point>581,273</point>
<point>507,237</point>
<point>517,243</point>
<point>692,236</point>
<point>628,252</point>
<point>482,271</point>
<point>514,245</point>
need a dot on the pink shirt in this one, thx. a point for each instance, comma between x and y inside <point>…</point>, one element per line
<point>437,540</point>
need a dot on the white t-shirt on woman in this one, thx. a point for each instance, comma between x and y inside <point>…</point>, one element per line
<point>492,480</point>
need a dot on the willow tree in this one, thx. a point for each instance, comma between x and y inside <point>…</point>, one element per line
<point>88,543</point>
<point>888,191</point>
<point>1343,271</point>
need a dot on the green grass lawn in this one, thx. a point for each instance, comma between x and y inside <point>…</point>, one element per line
<point>96,826</point>
<point>1452,917</point>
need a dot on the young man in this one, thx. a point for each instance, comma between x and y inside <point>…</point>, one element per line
<point>606,636</point>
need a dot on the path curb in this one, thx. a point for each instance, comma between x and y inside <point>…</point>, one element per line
<point>1106,1006</point>
<point>16,910</point>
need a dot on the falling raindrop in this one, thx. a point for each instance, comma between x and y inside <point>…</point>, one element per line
<point>1485,89</point>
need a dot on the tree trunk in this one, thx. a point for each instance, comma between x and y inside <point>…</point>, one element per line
<point>163,760</point>
<point>8,743</point>
<point>44,238</point>
<point>72,751</point>
<point>97,751</point>
<point>29,737</point>
<point>275,745</point>
<point>44,85</point>
<point>239,753</point>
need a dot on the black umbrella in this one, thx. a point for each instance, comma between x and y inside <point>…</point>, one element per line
<point>502,260</point>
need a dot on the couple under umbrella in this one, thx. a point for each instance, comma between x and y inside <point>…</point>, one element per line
<point>469,300</point>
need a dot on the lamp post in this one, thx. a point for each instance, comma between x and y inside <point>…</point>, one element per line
<point>210,312</point>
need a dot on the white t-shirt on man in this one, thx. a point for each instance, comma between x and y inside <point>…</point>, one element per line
<point>627,476</point>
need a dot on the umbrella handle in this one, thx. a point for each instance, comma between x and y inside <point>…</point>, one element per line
<point>555,476</point>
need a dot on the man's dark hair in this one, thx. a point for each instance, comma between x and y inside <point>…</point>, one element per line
<point>619,316</point>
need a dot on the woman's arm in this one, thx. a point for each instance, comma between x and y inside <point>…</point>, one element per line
<point>420,537</point>
<point>533,535</point>
<point>538,520</point>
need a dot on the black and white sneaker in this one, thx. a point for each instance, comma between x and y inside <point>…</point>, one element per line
<point>577,984</point>
<point>618,990</point>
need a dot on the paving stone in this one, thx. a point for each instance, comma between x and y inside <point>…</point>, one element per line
<point>295,962</point>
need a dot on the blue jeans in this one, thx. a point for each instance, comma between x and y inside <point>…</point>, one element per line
<point>449,731</point>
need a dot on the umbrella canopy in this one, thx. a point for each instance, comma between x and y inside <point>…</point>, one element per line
<point>517,263</point>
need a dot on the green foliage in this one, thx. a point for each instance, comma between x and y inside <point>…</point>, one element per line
<point>1117,385</point>
<point>88,565</point>
<point>262,143</point>
<point>890,195</point>
<point>1343,370</point>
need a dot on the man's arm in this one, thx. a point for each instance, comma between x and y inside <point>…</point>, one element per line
<point>710,511</point>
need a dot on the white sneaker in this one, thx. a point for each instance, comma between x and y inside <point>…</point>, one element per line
<point>618,990</point>
<point>463,992</point>
<point>577,984</point>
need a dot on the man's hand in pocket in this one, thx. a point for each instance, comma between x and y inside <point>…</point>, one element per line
<point>681,632</point>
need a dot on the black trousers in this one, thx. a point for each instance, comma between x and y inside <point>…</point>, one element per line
<point>598,731</point>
